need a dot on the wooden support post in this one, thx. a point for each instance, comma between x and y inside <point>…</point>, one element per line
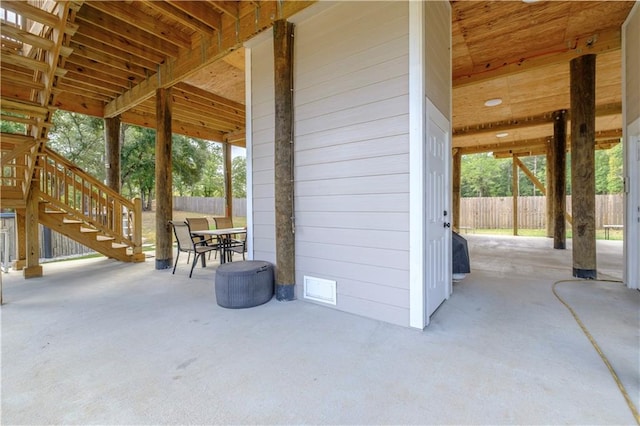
<point>283,161</point>
<point>559,197</point>
<point>532,177</point>
<point>549,194</point>
<point>583,90</point>
<point>138,255</point>
<point>457,164</point>
<point>515,192</point>
<point>21,240</point>
<point>33,268</point>
<point>164,193</point>
<point>228,192</point>
<point>112,152</point>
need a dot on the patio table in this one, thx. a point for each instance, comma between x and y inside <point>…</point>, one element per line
<point>224,236</point>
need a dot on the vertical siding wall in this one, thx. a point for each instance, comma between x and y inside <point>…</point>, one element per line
<point>263,116</point>
<point>351,158</point>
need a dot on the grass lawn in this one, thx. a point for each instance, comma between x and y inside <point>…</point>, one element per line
<point>149,223</point>
<point>614,234</point>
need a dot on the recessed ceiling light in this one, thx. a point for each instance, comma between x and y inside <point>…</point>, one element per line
<point>502,135</point>
<point>493,102</point>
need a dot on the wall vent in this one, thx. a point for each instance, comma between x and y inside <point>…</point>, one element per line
<point>320,290</point>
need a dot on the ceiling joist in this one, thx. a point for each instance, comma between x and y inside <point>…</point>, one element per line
<point>547,117</point>
<point>592,43</point>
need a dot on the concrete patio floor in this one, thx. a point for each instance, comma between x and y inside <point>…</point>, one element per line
<point>101,342</point>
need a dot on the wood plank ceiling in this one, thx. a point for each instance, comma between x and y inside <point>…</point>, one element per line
<point>120,52</point>
<point>520,52</point>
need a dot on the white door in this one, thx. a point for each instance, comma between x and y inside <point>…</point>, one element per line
<point>437,209</point>
<point>632,219</point>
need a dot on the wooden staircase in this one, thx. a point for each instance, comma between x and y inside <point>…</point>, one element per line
<point>80,207</point>
<point>78,230</point>
<point>40,185</point>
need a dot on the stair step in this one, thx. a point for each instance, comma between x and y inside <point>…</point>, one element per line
<point>71,221</point>
<point>118,245</point>
<point>87,230</point>
<point>104,238</point>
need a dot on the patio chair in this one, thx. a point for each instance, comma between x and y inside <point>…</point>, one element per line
<point>236,244</point>
<point>187,244</point>
<point>199,224</point>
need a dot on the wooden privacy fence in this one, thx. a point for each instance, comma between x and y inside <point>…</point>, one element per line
<point>497,212</point>
<point>211,206</point>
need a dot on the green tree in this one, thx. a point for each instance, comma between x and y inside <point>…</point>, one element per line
<point>602,171</point>
<point>212,182</point>
<point>138,164</point>
<point>80,139</point>
<point>11,126</point>
<point>239,177</point>
<point>485,176</point>
<point>615,183</point>
<point>189,158</point>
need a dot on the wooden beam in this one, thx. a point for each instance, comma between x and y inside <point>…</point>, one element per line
<point>237,138</point>
<point>100,58</point>
<point>201,11</point>
<point>457,173</point>
<point>97,49</point>
<point>205,50</point>
<point>12,58</point>
<point>188,114</point>
<point>31,12</point>
<point>114,27</point>
<point>33,268</point>
<point>604,139</point>
<point>131,75</point>
<point>151,52</point>
<point>547,117</point>
<point>137,18</point>
<point>164,181</point>
<point>25,37</point>
<point>18,151</point>
<point>583,90</point>
<point>195,94</point>
<point>533,178</point>
<point>24,107</point>
<point>82,67</point>
<point>602,42</point>
<point>228,192</point>
<point>172,13</point>
<point>15,79</point>
<point>21,240</point>
<point>112,152</point>
<point>549,177</point>
<point>90,80</point>
<point>515,192</point>
<point>228,7</point>
<point>559,196</point>
<point>283,160</point>
<point>189,129</point>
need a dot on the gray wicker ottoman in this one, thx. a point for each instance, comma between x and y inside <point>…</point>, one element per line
<point>244,284</point>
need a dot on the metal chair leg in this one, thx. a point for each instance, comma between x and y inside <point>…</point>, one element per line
<point>195,260</point>
<point>176,262</point>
